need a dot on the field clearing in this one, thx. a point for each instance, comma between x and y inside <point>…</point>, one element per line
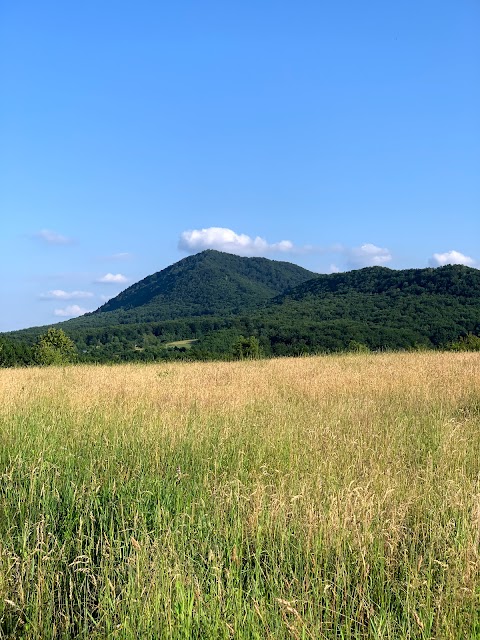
<point>321,497</point>
<point>182,343</point>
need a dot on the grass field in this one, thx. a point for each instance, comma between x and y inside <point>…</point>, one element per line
<point>323,497</point>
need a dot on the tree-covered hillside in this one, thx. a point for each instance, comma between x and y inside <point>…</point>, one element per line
<point>452,280</point>
<point>204,284</point>
<point>208,283</point>
<point>217,302</point>
<point>374,308</point>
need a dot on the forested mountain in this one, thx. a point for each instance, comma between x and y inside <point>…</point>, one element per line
<point>212,299</point>
<point>452,280</point>
<point>207,283</point>
<point>380,307</point>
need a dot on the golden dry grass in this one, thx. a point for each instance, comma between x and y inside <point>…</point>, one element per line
<point>428,374</point>
<point>301,498</point>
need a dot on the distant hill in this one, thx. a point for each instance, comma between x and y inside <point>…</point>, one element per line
<point>381,307</point>
<point>210,299</point>
<point>208,283</point>
<point>452,280</point>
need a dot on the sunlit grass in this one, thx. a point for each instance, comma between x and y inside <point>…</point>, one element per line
<point>326,497</point>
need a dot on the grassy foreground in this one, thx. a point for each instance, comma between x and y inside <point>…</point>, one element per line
<point>326,497</point>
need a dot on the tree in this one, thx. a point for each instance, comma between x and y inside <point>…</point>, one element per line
<point>55,347</point>
<point>246,348</point>
<point>358,347</point>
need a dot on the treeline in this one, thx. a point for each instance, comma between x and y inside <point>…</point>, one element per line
<point>228,343</point>
<point>16,354</point>
<point>52,347</point>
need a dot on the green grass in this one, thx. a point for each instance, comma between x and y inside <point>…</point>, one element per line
<point>334,497</point>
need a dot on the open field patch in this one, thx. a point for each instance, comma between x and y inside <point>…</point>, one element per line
<point>181,343</point>
<point>319,497</point>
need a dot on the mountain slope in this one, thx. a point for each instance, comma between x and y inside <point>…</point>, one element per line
<point>212,298</point>
<point>207,283</point>
<point>424,306</point>
<point>453,280</point>
<point>375,306</point>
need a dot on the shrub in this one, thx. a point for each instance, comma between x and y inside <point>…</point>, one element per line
<point>55,347</point>
<point>470,342</point>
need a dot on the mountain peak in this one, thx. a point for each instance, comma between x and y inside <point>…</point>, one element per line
<point>205,283</point>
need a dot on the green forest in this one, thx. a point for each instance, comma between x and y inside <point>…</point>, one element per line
<point>215,305</point>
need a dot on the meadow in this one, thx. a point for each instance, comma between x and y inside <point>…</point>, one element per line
<point>309,498</point>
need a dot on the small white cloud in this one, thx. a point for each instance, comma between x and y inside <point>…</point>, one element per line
<point>52,237</point>
<point>451,257</point>
<point>59,294</point>
<point>223,239</point>
<point>113,278</point>
<point>334,268</point>
<point>71,311</point>
<point>367,255</point>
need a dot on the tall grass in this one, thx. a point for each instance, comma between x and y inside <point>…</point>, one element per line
<point>326,497</point>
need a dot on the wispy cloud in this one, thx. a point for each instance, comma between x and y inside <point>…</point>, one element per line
<point>59,294</point>
<point>223,239</point>
<point>113,278</point>
<point>451,257</point>
<point>71,311</point>
<point>124,255</point>
<point>52,237</point>
<point>367,255</point>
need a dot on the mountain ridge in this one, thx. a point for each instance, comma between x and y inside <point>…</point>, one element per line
<point>213,298</point>
<point>452,279</point>
<point>208,282</point>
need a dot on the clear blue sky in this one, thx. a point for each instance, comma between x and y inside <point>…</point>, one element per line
<point>134,133</point>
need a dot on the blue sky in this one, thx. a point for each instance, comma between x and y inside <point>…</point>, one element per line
<point>331,134</point>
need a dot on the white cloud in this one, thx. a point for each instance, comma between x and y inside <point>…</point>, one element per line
<point>223,239</point>
<point>227,240</point>
<point>52,237</point>
<point>113,278</point>
<point>59,294</point>
<point>367,255</point>
<point>71,311</point>
<point>451,257</point>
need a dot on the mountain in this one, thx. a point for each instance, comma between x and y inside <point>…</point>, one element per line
<point>380,307</point>
<point>200,306</point>
<point>451,280</point>
<point>208,283</point>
